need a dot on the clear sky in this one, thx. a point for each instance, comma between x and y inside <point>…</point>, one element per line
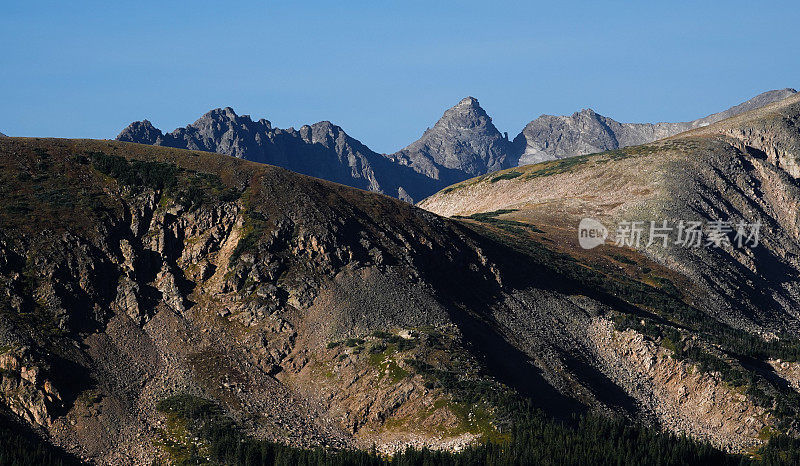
<point>382,70</point>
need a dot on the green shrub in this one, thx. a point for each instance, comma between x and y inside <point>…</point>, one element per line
<point>406,344</point>
<point>506,176</point>
<point>352,342</point>
<point>378,348</point>
<point>188,406</point>
<point>381,334</point>
<point>156,175</point>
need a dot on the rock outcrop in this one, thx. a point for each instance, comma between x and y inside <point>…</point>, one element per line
<point>679,394</point>
<point>26,390</point>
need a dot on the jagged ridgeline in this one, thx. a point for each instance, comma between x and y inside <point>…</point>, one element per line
<point>166,305</point>
<point>462,144</point>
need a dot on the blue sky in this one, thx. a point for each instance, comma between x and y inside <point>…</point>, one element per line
<point>384,71</point>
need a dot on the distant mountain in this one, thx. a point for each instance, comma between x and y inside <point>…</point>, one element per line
<point>322,150</point>
<point>554,137</point>
<point>2,135</point>
<point>464,143</point>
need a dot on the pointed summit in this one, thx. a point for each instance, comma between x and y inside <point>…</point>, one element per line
<point>469,101</point>
<point>467,113</point>
<point>226,113</point>
<point>462,144</point>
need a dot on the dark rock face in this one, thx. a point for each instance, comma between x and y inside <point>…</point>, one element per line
<point>142,132</point>
<point>554,137</point>
<point>322,150</point>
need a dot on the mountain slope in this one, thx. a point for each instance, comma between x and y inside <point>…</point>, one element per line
<point>136,277</point>
<point>192,273</point>
<point>739,315</point>
<point>553,137</point>
<point>132,274</point>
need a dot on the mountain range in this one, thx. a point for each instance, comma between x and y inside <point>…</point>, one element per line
<point>463,143</point>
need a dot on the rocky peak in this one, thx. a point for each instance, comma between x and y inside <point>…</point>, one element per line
<point>222,118</point>
<point>587,116</point>
<point>223,114</point>
<point>463,140</point>
<point>142,132</point>
<point>553,137</point>
<point>323,132</point>
<point>467,115</point>
<point>469,101</point>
